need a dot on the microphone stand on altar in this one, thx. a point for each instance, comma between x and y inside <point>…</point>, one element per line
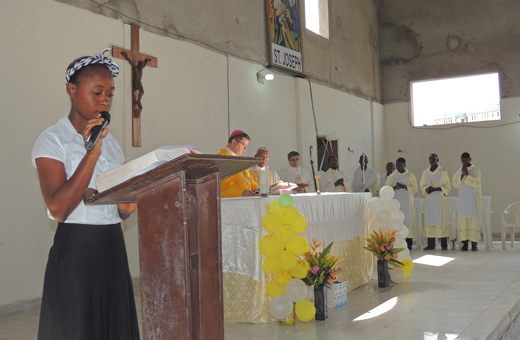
<point>315,177</point>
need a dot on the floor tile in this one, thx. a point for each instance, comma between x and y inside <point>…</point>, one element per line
<point>474,297</point>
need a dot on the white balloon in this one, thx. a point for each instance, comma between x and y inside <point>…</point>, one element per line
<point>399,215</point>
<point>395,224</point>
<point>405,254</point>
<point>386,193</point>
<point>296,290</point>
<point>397,275</point>
<point>399,241</point>
<point>310,293</point>
<point>393,205</point>
<point>376,224</point>
<point>281,307</point>
<point>375,204</point>
<point>385,227</point>
<point>404,231</point>
<point>384,215</point>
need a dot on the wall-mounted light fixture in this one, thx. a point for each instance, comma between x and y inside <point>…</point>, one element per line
<point>264,75</point>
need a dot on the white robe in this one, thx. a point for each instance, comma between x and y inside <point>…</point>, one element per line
<point>405,197</point>
<point>436,207</point>
<point>382,180</point>
<point>297,175</point>
<point>368,179</point>
<point>470,204</point>
<point>329,177</point>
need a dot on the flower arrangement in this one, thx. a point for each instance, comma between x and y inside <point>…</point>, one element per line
<point>324,266</point>
<point>381,244</point>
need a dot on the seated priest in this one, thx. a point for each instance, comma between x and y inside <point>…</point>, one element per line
<point>263,153</point>
<point>241,184</point>
<point>365,179</point>
<point>334,179</point>
<point>294,173</point>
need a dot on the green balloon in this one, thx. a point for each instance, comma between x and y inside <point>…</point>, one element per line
<point>285,200</point>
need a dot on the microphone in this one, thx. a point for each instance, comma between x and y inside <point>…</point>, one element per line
<point>93,138</point>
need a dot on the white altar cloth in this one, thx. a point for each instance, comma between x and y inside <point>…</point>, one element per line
<point>330,217</point>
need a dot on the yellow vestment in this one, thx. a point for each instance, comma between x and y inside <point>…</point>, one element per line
<point>234,186</point>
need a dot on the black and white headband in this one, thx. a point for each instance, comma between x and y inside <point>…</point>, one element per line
<point>99,58</point>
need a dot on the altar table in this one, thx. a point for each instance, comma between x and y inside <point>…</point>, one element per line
<point>331,217</point>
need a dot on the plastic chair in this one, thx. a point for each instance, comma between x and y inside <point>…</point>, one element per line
<point>511,220</point>
<point>453,208</point>
<point>486,222</point>
<point>418,207</point>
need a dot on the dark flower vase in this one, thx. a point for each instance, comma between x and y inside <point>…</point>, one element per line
<point>320,302</point>
<point>383,278</point>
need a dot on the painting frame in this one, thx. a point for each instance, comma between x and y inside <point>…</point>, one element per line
<point>284,36</point>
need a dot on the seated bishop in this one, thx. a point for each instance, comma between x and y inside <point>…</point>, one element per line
<point>242,183</point>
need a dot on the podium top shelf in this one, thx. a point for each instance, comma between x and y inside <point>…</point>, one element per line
<point>194,166</point>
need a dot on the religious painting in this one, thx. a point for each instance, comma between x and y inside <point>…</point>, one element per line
<point>284,34</point>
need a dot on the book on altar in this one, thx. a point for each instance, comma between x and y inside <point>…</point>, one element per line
<point>141,164</point>
<point>275,188</point>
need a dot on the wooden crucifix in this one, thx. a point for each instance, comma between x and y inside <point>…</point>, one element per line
<point>138,61</point>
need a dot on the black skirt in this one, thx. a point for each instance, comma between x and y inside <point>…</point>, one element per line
<point>87,292</point>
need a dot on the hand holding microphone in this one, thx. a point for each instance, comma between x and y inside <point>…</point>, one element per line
<point>96,131</point>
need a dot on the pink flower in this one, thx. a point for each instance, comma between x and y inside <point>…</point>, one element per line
<point>315,269</point>
<point>341,268</point>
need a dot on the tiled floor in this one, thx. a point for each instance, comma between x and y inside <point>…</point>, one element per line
<point>475,296</point>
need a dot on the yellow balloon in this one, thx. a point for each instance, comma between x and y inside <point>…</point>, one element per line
<point>282,278</point>
<point>274,289</point>
<point>299,246</point>
<point>270,245</point>
<point>287,260</point>
<point>305,310</point>
<point>272,222</point>
<point>300,224</point>
<point>406,275</point>
<point>274,207</point>
<point>286,233</point>
<point>408,265</point>
<point>289,214</point>
<point>271,265</point>
<point>301,269</point>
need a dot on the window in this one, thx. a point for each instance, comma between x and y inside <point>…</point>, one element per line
<point>455,100</point>
<point>317,17</point>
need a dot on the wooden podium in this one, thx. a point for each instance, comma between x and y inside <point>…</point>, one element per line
<point>180,243</point>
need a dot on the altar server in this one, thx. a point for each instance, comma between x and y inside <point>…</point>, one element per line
<point>390,168</point>
<point>405,187</point>
<point>435,186</point>
<point>365,179</point>
<point>467,180</point>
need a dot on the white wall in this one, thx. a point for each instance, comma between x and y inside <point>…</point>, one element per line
<point>186,101</point>
<point>494,149</point>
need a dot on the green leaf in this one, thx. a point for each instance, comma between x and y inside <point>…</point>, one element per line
<point>325,252</point>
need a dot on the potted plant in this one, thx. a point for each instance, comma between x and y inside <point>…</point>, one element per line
<point>381,244</point>
<point>324,268</point>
